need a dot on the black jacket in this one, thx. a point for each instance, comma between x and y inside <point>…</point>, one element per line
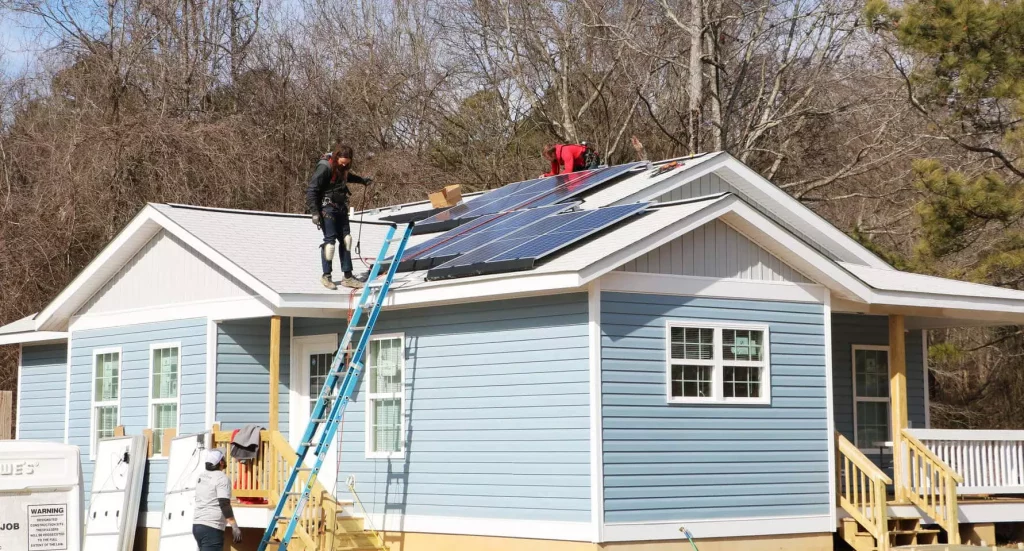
<point>324,185</point>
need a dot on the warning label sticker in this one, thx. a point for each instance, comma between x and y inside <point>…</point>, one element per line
<point>47,527</point>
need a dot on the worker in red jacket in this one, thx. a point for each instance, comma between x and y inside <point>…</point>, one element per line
<point>565,158</point>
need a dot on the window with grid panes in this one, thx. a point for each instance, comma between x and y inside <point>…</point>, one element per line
<point>871,395</point>
<point>319,367</point>
<point>106,395</point>
<point>165,371</point>
<point>386,397</point>
<point>717,363</point>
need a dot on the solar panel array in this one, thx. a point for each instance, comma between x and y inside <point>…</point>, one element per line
<point>529,194</point>
<point>521,249</point>
<point>473,234</point>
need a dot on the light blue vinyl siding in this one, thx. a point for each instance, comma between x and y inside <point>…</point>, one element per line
<point>497,422</point>
<point>665,462</point>
<point>44,374</point>
<point>135,341</point>
<point>243,373</point>
<point>851,329</point>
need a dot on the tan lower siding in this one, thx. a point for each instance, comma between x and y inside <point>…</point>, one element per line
<point>147,539</point>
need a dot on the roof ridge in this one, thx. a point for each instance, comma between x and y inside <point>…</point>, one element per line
<point>233,211</point>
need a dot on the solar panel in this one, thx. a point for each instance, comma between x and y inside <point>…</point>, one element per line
<point>459,211</point>
<point>474,234</point>
<point>532,193</point>
<point>520,250</point>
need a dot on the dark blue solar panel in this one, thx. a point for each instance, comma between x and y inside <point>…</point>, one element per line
<point>522,248</point>
<point>565,186</point>
<point>471,235</point>
<point>529,194</point>
<point>485,199</point>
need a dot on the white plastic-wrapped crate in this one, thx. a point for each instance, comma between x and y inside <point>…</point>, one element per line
<point>40,497</point>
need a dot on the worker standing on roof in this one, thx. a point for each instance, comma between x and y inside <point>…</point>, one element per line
<point>327,200</point>
<point>213,505</point>
<point>565,158</point>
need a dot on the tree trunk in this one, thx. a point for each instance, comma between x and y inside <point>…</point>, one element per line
<point>696,72</point>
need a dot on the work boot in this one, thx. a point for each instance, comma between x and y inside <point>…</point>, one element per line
<point>351,283</point>
<point>326,281</point>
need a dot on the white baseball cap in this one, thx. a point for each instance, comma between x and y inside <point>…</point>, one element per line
<point>213,456</point>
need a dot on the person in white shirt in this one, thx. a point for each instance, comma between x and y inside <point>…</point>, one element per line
<point>213,505</point>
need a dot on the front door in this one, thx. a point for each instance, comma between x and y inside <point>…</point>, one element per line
<point>311,361</point>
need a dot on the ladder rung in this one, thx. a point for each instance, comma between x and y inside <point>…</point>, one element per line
<point>357,328</point>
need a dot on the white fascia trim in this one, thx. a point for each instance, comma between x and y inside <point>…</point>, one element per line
<point>214,256</point>
<point>505,528</point>
<point>596,431</point>
<point>38,337</point>
<point>150,519</point>
<point>17,413</point>
<point>830,408</point>
<point>218,310</point>
<point>514,285</point>
<point>662,284</point>
<point>951,302</point>
<point>723,528</point>
<point>837,239</point>
<point>211,373</point>
<point>982,511</point>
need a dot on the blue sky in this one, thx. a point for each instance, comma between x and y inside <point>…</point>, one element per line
<point>19,44</point>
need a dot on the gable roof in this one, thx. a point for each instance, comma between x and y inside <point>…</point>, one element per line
<point>761,193</point>
<point>273,254</point>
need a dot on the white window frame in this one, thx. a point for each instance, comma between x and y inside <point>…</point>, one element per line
<point>718,364</point>
<point>157,401</point>
<point>371,397</point>
<point>868,446</point>
<point>93,404</point>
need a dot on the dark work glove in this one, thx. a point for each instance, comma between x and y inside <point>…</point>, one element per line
<point>316,220</point>
<point>236,533</point>
<point>367,181</point>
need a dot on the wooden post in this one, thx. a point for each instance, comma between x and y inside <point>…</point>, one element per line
<point>275,370</point>
<point>898,400</point>
<point>6,422</point>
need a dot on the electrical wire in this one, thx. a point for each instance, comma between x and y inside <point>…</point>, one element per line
<point>125,459</point>
<point>196,452</point>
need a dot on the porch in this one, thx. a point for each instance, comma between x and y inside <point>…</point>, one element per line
<point>268,370</point>
<point>918,486</point>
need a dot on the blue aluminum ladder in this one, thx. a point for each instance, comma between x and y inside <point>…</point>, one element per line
<point>323,424</point>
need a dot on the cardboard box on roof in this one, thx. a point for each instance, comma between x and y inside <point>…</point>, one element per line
<point>447,197</point>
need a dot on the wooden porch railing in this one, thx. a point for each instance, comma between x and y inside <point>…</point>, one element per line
<point>990,461</point>
<point>265,478</point>
<point>929,483</point>
<point>861,490</point>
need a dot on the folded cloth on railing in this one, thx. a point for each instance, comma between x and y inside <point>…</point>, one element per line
<point>245,443</point>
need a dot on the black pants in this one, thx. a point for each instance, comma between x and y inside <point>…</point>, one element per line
<point>208,539</point>
<point>334,223</point>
